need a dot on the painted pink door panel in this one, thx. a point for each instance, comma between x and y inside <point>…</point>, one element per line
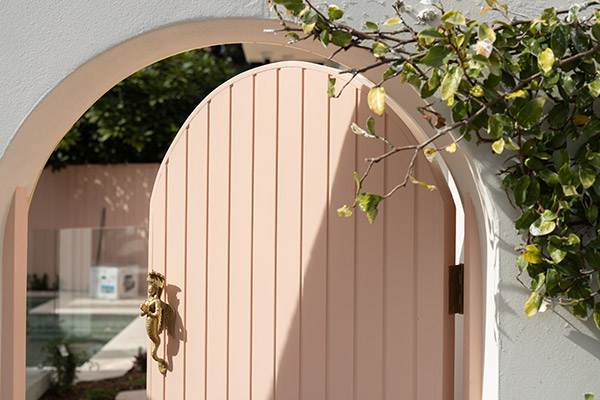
<point>277,297</point>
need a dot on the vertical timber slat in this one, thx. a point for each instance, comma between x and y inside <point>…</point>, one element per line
<point>340,282</point>
<point>196,254</point>
<point>289,234</point>
<point>314,243</point>
<point>218,225</point>
<point>175,265</point>
<point>263,280</point>
<point>157,263</point>
<point>241,232</point>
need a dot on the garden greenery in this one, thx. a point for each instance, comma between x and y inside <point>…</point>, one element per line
<point>528,88</point>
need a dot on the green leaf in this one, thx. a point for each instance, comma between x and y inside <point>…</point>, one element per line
<point>534,164</point>
<point>331,87</point>
<point>432,85</point>
<point>551,178</point>
<point>532,254</point>
<point>376,100</point>
<point>565,174</point>
<point>590,396</point>
<point>541,227</point>
<point>533,193</point>
<point>522,263</point>
<point>530,114</point>
<point>560,157</point>
<point>499,123</point>
<point>357,180</point>
<point>594,87</point>
<point>293,35</point>
<point>498,146</point>
<point>454,18</point>
<point>567,83</point>
<point>430,34</point>
<point>549,215</point>
<point>596,31</point>
<point>533,304</point>
<point>597,321</point>
<point>476,91</point>
<point>485,32</point>
<point>371,125</point>
<point>344,211</point>
<point>591,127</point>
<point>372,214</point>
<point>334,12</point>
<point>368,202</point>
<point>587,176</point>
<point>556,253</point>
<point>510,144</point>
<point>372,26</point>
<point>546,60</point>
<point>592,214</point>
<point>559,114</point>
<point>435,56</point>
<point>451,82</point>
<point>379,49</point>
<point>459,110</point>
<point>520,190</point>
<point>552,279</point>
<point>570,191</point>
<point>324,36</point>
<point>559,40</point>
<point>526,219</point>
<point>341,38</point>
<point>538,282</point>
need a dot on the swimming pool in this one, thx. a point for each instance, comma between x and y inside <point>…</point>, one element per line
<point>86,332</point>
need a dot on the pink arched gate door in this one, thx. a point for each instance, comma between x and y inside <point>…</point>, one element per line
<point>277,297</point>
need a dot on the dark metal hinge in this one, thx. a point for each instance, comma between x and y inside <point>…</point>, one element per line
<point>456,291</point>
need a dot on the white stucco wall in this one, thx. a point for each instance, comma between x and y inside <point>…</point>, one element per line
<point>45,45</point>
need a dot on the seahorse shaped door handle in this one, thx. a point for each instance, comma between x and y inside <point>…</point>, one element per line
<point>158,314</point>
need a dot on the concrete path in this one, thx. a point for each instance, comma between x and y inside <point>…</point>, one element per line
<point>132,395</point>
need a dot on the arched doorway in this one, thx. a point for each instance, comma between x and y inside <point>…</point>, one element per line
<point>60,108</point>
<point>275,295</point>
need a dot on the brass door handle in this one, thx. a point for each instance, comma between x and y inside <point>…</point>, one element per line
<point>158,314</point>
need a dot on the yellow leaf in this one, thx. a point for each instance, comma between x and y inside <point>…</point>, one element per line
<point>307,28</point>
<point>344,211</point>
<point>533,304</point>
<point>518,93</point>
<point>451,148</point>
<point>503,5</point>
<point>485,10</point>
<point>417,182</point>
<point>498,146</point>
<point>580,119</point>
<point>376,100</point>
<point>430,153</point>
<point>392,21</point>
<point>532,254</point>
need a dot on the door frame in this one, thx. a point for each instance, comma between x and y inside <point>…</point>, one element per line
<point>22,162</point>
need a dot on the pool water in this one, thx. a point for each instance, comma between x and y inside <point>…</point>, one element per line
<point>85,332</point>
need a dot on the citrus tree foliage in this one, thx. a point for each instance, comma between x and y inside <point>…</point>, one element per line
<point>525,87</point>
<point>137,119</point>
